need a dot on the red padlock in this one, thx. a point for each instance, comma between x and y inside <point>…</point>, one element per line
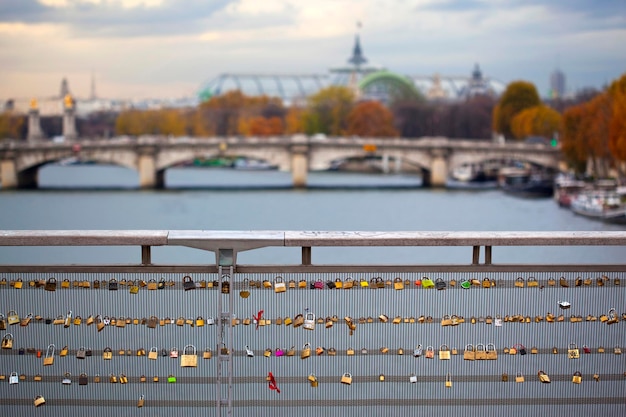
<point>39,354</point>
<point>586,349</point>
<point>418,282</point>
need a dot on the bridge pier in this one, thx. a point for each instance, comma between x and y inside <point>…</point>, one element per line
<point>12,179</point>
<point>69,124</point>
<point>149,177</point>
<point>438,170</point>
<point>299,161</point>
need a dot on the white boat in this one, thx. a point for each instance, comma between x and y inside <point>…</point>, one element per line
<point>252,165</point>
<point>603,205</point>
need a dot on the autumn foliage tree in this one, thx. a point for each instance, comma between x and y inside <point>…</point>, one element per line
<point>328,110</point>
<point>518,96</point>
<point>617,124</point>
<point>11,126</point>
<point>156,122</point>
<point>371,119</point>
<point>536,121</point>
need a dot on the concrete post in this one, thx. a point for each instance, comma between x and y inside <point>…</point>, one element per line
<point>69,124</point>
<point>34,126</point>
<point>299,161</point>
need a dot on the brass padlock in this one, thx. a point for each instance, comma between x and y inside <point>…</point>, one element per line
<point>225,284</point>
<point>39,401</point>
<point>448,381</point>
<point>134,287</point>
<point>505,377</point>
<point>152,284</point>
<point>83,379</point>
<point>444,352</point>
<point>107,353</point>
<point>96,379</point>
<point>279,284</point>
<point>398,284</point>
<point>189,358</point>
<point>153,353</point>
<point>577,378</point>
<point>123,379</point>
<point>140,401</point>
<point>350,352</point>
<point>143,378</point>
<point>12,317</point>
<point>543,377</point>
<point>207,354</point>
<point>519,377</point>
<point>306,351</point>
<point>346,378</point>
<point>49,358</point>
<point>312,380</point>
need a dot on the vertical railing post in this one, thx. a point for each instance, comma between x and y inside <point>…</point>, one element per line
<point>225,259</point>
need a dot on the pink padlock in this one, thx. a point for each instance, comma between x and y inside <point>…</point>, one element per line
<point>174,353</point>
<point>279,352</point>
<point>319,284</point>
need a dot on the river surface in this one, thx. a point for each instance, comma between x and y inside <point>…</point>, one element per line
<point>107,197</point>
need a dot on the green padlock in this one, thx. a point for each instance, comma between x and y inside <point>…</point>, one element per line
<point>171,379</point>
<point>427,283</point>
<point>466,284</point>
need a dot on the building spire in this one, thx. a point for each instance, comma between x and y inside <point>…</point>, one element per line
<point>357,59</point>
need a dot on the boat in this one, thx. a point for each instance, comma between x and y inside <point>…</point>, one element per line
<point>566,189</point>
<point>528,184</point>
<point>247,164</point>
<point>599,204</point>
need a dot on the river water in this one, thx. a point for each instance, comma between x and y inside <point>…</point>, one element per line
<point>107,197</point>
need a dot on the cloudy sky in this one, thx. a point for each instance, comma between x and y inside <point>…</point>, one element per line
<point>170,48</point>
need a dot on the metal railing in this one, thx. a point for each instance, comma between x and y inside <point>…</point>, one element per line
<point>240,381</point>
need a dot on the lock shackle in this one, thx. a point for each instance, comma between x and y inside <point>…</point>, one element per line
<point>50,350</point>
<point>67,375</point>
<point>8,336</point>
<point>154,349</point>
<point>578,373</point>
<point>69,314</point>
<point>348,374</point>
<point>520,345</point>
<point>612,313</point>
<point>492,345</point>
<point>308,316</point>
<point>448,377</point>
<point>444,346</point>
<point>278,278</point>
<point>471,347</point>
<point>574,346</point>
<point>307,345</point>
<point>187,278</point>
<point>430,348</point>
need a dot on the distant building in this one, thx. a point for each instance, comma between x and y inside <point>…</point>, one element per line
<point>557,84</point>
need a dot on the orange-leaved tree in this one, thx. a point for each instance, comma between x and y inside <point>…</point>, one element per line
<point>371,118</point>
<point>617,124</point>
<point>518,96</point>
<point>536,121</point>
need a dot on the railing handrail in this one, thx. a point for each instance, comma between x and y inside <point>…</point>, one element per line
<point>244,240</point>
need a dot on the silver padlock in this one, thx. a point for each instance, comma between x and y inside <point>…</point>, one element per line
<point>13,378</point>
<point>417,352</point>
<point>106,321</point>
<point>210,320</point>
<point>412,378</point>
<point>498,321</point>
<point>66,379</point>
<point>249,352</point>
<point>309,321</point>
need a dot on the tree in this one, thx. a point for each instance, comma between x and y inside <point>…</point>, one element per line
<point>371,118</point>
<point>617,124</point>
<point>11,126</point>
<point>573,142</point>
<point>518,96</point>
<point>328,110</point>
<point>536,121</point>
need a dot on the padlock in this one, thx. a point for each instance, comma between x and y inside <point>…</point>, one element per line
<point>398,284</point>
<point>134,287</point>
<point>612,317</point>
<point>534,350</point>
<point>180,321</point>
<point>141,352</point>
<point>551,282</point>
<point>224,350</point>
<point>519,282</point>
<point>532,282</point>
<point>123,379</point>
<point>572,351</point>
<point>189,358</point>
<point>412,378</point>
<point>189,321</point>
<point>100,324</point>
<point>14,378</point>
<point>51,284</point>
<point>173,353</point>
<point>306,351</point>
<point>448,382</point>
<point>39,401</point>
<point>141,401</point>
<point>586,349</point>
<point>446,320</point>
<point>617,350</point>
<point>427,283</point>
<point>363,351</point>
<point>491,354</point>
<point>497,321</point>
<point>249,352</point>
<point>292,284</point>
<point>430,352</point>
<point>210,320</point>
<point>49,358</point>
<point>38,378</point>
<point>331,284</point>
<point>81,353</point>
<point>328,323</point>
<point>82,379</point>
<point>309,321</point>
<point>7,341</point>
<point>12,317</point>
<point>346,378</point>
<point>488,320</point>
<point>107,353</point>
<point>188,283</point>
<point>155,378</point>
<point>444,352</point>
<point>3,322</point>
<point>113,284</point>
<point>279,285</point>
<point>543,377</point>
<point>440,284</point>
<point>152,284</point>
<point>121,322</point>
<point>384,350</point>
<point>522,349</point>
<point>350,352</point>
<point>207,354</point>
<point>480,352</point>
<point>468,353</point>
<point>267,353</point>
<point>171,379</point>
<point>225,284</point>
<point>279,352</point>
<point>577,378</point>
<point>96,379</point>
<point>67,380</point>
<point>312,380</point>
<point>64,351</point>
<point>519,377</point>
<point>338,283</point>
<point>153,353</point>
<point>65,283</point>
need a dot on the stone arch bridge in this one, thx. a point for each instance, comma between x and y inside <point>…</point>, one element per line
<point>150,156</point>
